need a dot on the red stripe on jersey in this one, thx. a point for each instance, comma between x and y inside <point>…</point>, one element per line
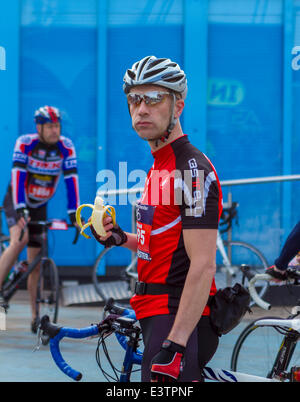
<point>15,184</point>
<point>76,188</point>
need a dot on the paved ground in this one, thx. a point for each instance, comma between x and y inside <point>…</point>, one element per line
<point>20,363</point>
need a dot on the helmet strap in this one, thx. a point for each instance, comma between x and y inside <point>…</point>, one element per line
<point>41,134</point>
<point>171,124</point>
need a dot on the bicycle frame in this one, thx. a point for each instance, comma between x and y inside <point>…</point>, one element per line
<point>43,253</point>
<point>289,328</point>
<point>131,357</point>
<point>288,345</point>
<point>226,261</point>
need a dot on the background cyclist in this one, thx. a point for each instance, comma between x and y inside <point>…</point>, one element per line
<point>289,250</point>
<point>38,161</point>
<point>177,221</point>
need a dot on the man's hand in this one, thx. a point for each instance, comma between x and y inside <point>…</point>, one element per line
<point>115,235</point>
<point>167,365</point>
<point>23,217</point>
<point>278,275</point>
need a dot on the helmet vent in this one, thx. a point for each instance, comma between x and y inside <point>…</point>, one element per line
<point>152,73</point>
<point>131,74</point>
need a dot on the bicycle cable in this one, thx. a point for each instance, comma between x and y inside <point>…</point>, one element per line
<point>116,371</point>
<point>101,342</point>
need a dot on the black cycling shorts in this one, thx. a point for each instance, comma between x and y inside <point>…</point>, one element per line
<point>36,214</point>
<point>201,346</point>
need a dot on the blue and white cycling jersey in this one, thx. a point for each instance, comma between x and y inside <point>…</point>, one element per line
<point>37,168</point>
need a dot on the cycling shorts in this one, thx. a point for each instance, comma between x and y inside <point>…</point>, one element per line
<point>36,214</point>
<point>201,346</point>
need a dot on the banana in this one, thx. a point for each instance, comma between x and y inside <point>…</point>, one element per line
<point>100,211</point>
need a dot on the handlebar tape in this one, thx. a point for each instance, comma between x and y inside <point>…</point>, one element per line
<point>70,333</point>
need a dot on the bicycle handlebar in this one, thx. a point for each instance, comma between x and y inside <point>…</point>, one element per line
<point>119,310</point>
<point>57,334</point>
<point>227,216</point>
<point>120,320</point>
<point>253,293</point>
<point>291,273</point>
<point>48,225</point>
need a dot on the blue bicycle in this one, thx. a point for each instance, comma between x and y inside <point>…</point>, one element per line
<point>122,322</point>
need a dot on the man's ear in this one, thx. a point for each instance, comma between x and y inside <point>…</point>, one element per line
<point>39,128</point>
<point>179,105</point>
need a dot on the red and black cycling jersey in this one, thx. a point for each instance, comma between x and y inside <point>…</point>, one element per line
<point>37,168</point>
<point>182,191</point>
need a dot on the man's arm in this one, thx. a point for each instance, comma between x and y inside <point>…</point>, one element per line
<point>200,245</point>
<point>19,174</point>
<point>131,243</point>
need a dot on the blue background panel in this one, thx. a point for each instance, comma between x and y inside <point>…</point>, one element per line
<point>51,75</point>
<point>74,55</point>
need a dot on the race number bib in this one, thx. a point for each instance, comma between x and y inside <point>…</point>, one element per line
<point>144,219</point>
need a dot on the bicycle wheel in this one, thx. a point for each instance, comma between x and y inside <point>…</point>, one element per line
<point>120,287</point>
<point>242,253</point>
<point>47,300</point>
<point>256,349</point>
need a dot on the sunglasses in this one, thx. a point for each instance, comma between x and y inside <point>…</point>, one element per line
<point>150,98</point>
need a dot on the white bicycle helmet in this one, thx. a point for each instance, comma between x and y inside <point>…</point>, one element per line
<point>152,70</point>
<point>47,114</point>
<point>162,72</point>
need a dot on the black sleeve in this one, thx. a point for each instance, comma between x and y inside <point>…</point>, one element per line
<point>197,194</point>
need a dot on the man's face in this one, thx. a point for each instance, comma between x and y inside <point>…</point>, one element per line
<point>49,132</point>
<point>150,121</point>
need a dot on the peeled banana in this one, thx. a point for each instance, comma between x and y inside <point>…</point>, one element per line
<point>100,211</point>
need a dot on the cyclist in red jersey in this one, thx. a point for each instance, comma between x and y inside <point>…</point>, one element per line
<point>38,161</point>
<point>177,222</point>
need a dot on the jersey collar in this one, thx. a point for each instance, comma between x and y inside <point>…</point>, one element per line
<point>168,149</point>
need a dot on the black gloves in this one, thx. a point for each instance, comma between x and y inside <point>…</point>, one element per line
<point>275,274</point>
<point>23,213</point>
<point>167,365</point>
<point>72,216</point>
<point>117,238</point>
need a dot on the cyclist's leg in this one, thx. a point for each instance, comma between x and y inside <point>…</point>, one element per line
<point>34,246</point>
<point>33,278</point>
<point>290,248</point>
<point>200,349</point>
<point>10,255</point>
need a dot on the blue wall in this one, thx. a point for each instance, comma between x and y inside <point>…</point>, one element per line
<point>9,85</point>
<point>74,54</point>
